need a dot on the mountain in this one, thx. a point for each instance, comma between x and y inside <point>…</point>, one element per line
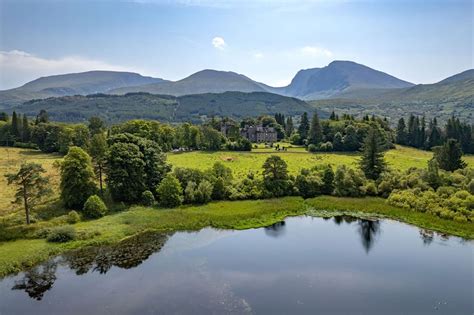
<point>73,84</point>
<point>451,96</point>
<point>205,81</point>
<point>340,78</point>
<point>166,108</point>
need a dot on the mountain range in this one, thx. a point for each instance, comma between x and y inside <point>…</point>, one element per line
<point>342,85</point>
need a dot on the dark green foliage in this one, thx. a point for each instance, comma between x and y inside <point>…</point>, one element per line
<point>241,144</point>
<point>309,184</point>
<point>275,176</point>
<point>303,128</point>
<point>32,186</point>
<point>402,136</point>
<point>203,192</point>
<point>140,169</point>
<point>372,161</point>
<point>96,125</point>
<point>42,117</point>
<point>16,126</point>
<point>98,151</point>
<point>148,199</point>
<point>219,191</point>
<point>62,234</point>
<point>315,135</point>
<point>94,207</point>
<point>169,192</point>
<point>125,172</point>
<point>328,180</point>
<point>4,116</point>
<point>449,155</point>
<point>26,130</point>
<point>289,127</point>
<point>431,176</point>
<point>77,178</point>
<point>211,139</point>
<point>348,183</point>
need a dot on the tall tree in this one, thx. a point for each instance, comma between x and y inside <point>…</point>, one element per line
<point>303,128</point>
<point>32,186</point>
<point>372,162</point>
<point>96,125</point>
<point>16,131</point>
<point>26,132</point>
<point>77,178</point>
<point>401,132</point>
<point>42,117</point>
<point>98,152</point>
<point>275,176</point>
<point>449,155</point>
<point>289,126</point>
<point>315,132</point>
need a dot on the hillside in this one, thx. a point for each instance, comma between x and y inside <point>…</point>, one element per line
<point>452,96</point>
<point>340,77</point>
<point>205,81</point>
<point>114,108</point>
<point>83,83</point>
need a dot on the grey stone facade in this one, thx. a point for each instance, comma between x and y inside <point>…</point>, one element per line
<point>259,133</point>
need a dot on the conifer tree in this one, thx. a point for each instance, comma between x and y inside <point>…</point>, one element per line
<point>372,162</point>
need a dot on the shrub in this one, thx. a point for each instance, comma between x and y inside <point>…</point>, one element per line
<point>94,207</point>
<point>470,186</point>
<point>326,147</point>
<point>312,148</point>
<point>203,192</point>
<point>190,192</point>
<point>147,198</point>
<point>370,188</point>
<point>62,234</point>
<point>73,217</point>
<point>170,192</point>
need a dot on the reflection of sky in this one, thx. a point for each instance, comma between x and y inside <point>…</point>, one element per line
<point>315,266</point>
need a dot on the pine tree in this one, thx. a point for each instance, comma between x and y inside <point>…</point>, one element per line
<point>16,132</point>
<point>26,132</point>
<point>303,128</point>
<point>372,162</point>
<point>315,132</point>
<point>449,156</point>
<point>401,132</point>
<point>289,126</point>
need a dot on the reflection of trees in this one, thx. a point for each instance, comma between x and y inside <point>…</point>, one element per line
<point>338,219</point>
<point>127,254</point>
<point>368,230</point>
<point>427,236</point>
<point>276,230</point>
<point>37,280</point>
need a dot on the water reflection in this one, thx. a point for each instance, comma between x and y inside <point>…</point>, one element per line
<point>276,230</point>
<point>38,280</point>
<point>427,236</point>
<point>368,231</point>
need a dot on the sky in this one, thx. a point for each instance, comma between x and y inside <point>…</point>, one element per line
<point>268,41</point>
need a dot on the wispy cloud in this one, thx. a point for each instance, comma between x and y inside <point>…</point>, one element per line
<point>315,51</point>
<point>18,67</point>
<point>219,43</point>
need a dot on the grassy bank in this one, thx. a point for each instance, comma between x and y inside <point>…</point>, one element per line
<point>16,255</point>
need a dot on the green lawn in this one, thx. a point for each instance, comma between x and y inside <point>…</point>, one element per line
<point>242,163</point>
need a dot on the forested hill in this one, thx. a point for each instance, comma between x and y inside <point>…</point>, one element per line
<point>114,108</point>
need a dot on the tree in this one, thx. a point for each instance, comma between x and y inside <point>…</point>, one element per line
<point>275,176</point>
<point>32,186</point>
<point>303,128</point>
<point>401,132</point>
<point>77,178</point>
<point>26,132</point>
<point>170,192</point>
<point>98,151</point>
<point>3,116</point>
<point>372,162</point>
<point>16,131</point>
<point>431,176</point>
<point>42,117</point>
<point>96,125</point>
<point>289,128</point>
<point>449,156</point>
<point>315,132</point>
<point>337,143</point>
<point>203,192</point>
<point>328,180</point>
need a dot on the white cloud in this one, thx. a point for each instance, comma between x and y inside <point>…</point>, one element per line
<point>315,51</point>
<point>18,67</point>
<point>219,43</point>
<point>258,55</point>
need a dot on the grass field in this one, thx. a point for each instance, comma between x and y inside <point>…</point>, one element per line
<point>242,163</point>
<point>10,161</point>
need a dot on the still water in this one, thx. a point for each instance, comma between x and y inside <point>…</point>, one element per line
<point>303,265</point>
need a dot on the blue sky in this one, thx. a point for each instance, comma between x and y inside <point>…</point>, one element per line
<point>269,41</point>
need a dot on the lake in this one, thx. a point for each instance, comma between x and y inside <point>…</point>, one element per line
<point>303,265</point>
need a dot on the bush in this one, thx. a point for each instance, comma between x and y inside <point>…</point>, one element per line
<point>170,192</point>
<point>312,148</point>
<point>203,192</point>
<point>94,207</point>
<point>73,217</point>
<point>470,187</point>
<point>62,234</point>
<point>326,147</point>
<point>147,198</point>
